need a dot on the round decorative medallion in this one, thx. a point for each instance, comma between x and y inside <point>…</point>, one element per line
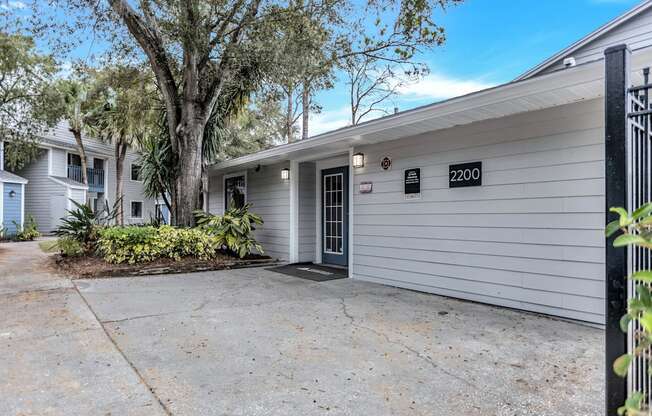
<point>386,163</point>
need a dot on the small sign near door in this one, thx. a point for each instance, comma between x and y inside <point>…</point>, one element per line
<point>412,183</point>
<point>465,174</point>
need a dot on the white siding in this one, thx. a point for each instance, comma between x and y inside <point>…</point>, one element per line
<point>307,200</point>
<point>270,198</point>
<point>636,33</point>
<point>530,237</point>
<point>45,200</point>
<point>216,194</point>
<point>133,191</point>
<point>59,162</point>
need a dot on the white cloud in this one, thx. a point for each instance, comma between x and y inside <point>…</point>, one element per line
<point>13,5</point>
<point>440,87</point>
<point>329,120</point>
<point>434,87</point>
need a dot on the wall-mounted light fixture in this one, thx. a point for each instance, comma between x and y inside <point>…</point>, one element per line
<point>285,174</point>
<point>12,193</point>
<point>358,160</point>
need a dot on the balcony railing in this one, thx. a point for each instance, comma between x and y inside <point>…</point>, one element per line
<point>95,177</point>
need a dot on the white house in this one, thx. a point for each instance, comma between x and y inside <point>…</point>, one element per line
<point>496,196</point>
<point>55,180</point>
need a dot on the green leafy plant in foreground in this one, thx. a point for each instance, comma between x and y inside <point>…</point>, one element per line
<point>133,244</point>
<point>635,230</point>
<point>233,230</point>
<point>27,232</point>
<point>69,247</point>
<point>82,224</point>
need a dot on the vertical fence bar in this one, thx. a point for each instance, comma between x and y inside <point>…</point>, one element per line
<point>616,169</point>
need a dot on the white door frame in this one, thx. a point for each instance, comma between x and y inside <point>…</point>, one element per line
<point>320,165</point>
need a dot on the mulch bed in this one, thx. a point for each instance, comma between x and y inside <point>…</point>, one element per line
<point>88,267</point>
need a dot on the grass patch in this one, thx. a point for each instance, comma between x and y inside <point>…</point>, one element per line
<point>48,246</point>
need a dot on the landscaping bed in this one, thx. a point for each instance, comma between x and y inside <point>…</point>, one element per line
<point>88,267</point>
<point>90,245</point>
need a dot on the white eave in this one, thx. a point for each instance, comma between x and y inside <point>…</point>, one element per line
<point>583,82</point>
<point>587,39</point>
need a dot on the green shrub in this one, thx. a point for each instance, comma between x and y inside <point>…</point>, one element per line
<point>69,247</point>
<point>29,230</point>
<point>143,244</point>
<point>82,224</point>
<point>233,230</point>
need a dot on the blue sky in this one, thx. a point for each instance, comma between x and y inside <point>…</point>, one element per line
<point>489,42</point>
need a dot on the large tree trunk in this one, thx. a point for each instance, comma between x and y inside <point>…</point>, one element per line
<point>305,102</point>
<point>82,155</point>
<point>189,179</point>
<point>120,152</point>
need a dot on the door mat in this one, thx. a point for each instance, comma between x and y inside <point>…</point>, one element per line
<point>314,272</point>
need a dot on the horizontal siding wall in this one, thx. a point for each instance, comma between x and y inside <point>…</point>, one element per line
<point>133,191</point>
<point>216,194</point>
<point>530,237</point>
<point>12,216</point>
<point>307,215</point>
<point>637,34</point>
<point>45,199</point>
<point>270,198</point>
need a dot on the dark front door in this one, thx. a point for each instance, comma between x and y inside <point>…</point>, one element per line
<point>335,216</point>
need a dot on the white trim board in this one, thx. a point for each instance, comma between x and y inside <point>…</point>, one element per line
<point>334,162</point>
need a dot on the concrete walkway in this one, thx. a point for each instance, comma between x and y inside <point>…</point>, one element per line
<point>255,342</point>
<point>56,357</point>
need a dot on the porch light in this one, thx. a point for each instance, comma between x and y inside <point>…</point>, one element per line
<point>12,193</point>
<point>285,174</point>
<point>358,160</point>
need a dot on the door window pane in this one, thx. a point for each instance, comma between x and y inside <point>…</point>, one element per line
<point>234,192</point>
<point>333,213</point>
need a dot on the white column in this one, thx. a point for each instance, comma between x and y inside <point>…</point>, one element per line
<point>294,211</point>
<point>351,205</point>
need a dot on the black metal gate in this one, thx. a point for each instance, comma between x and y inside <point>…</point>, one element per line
<point>628,163</point>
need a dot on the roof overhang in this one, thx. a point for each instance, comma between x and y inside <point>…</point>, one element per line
<point>8,177</point>
<point>580,83</point>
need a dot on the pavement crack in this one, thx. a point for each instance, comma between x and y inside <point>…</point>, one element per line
<point>419,355</point>
<point>132,318</point>
<point>124,356</point>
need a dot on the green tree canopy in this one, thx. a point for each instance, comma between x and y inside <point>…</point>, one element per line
<point>26,97</point>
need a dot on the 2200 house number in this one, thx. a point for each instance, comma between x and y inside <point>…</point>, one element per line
<point>465,174</point>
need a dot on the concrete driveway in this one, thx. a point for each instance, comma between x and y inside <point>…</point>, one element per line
<point>255,342</point>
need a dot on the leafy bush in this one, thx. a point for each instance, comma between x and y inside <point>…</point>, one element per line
<point>82,224</point>
<point>69,247</point>
<point>29,231</point>
<point>636,231</point>
<point>143,244</point>
<point>233,230</point>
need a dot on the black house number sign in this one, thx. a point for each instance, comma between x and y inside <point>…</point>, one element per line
<point>465,174</point>
<point>412,181</point>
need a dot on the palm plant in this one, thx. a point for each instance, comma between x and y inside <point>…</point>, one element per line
<point>233,230</point>
<point>76,104</point>
<point>82,224</point>
<point>126,116</point>
<point>156,168</point>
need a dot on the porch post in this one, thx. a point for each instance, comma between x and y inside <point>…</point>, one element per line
<point>616,181</point>
<point>294,212</point>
